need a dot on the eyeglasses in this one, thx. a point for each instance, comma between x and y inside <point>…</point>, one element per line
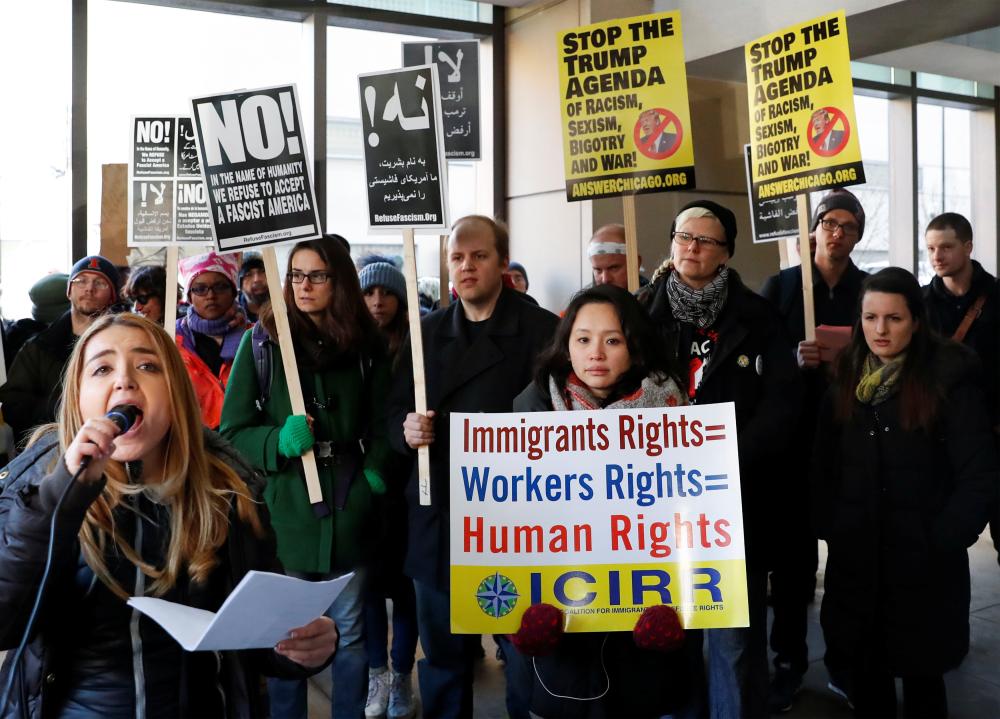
<point>849,230</point>
<point>315,278</point>
<point>686,238</point>
<point>219,288</point>
<point>145,299</point>
<point>97,283</point>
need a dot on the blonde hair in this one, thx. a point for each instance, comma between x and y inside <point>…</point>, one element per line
<point>197,486</point>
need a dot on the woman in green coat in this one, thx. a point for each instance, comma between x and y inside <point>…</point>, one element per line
<point>343,373</point>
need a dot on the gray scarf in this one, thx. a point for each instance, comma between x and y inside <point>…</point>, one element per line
<point>697,307</point>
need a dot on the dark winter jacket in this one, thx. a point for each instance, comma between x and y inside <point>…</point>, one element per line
<point>34,382</point>
<point>752,366</point>
<point>461,376</point>
<point>898,508</point>
<point>945,312</point>
<point>30,487</point>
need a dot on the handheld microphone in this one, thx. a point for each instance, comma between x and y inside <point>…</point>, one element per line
<point>124,416</point>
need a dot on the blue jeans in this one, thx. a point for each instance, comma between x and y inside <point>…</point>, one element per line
<point>350,663</point>
<point>445,672</point>
<point>404,625</point>
<point>737,680</point>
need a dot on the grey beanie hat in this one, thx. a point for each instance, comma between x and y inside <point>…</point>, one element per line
<point>383,274</point>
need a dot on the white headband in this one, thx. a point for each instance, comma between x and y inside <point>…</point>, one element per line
<point>606,248</point>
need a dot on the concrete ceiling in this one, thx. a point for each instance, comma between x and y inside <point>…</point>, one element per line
<point>906,34</point>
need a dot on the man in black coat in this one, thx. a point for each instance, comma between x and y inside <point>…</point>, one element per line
<point>479,354</point>
<point>839,223</point>
<point>962,298</point>
<point>733,345</point>
<point>34,382</point>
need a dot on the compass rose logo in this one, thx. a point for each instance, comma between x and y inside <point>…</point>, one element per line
<point>497,595</point>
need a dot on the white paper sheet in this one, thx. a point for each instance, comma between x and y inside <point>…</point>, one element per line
<point>257,614</point>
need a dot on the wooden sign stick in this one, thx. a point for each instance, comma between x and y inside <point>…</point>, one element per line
<point>417,349</point>
<point>320,508</point>
<point>631,242</point>
<point>170,291</point>
<point>444,292</point>
<point>805,255</point>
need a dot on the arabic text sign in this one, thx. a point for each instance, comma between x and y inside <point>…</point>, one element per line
<point>256,168</point>
<point>458,77</point>
<point>802,126</point>
<point>166,197</point>
<point>599,513</point>
<point>404,149</point>
<point>626,124</point>
<point>773,218</point>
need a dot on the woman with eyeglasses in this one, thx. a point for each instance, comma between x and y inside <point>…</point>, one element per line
<point>343,374</point>
<point>145,290</point>
<point>904,478</point>
<point>731,344</point>
<point>206,335</point>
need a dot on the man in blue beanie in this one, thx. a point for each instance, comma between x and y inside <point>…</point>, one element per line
<point>34,383</point>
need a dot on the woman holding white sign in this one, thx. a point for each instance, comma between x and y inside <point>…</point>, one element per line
<point>606,354</point>
<point>904,480</point>
<point>343,374</point>
<point>126,495</point>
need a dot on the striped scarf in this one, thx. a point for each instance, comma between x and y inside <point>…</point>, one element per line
<point>878,381</point>
<point>697,307</point>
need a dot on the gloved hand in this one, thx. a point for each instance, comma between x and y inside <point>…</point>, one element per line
<point>295,437</point>
<point>376,483</point>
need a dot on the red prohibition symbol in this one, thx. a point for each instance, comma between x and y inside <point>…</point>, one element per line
<point>828,131</point>
<point>651,134</point>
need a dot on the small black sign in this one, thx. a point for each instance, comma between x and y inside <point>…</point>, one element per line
<point>401,124</point>
<point>773,218</point>
<point>458,77</point>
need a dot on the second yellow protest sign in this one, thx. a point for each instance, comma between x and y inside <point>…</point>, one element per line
<point>626,124</point>
<point>803,132</point>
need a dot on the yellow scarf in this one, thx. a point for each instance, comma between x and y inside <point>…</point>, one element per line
<point>878,381</point>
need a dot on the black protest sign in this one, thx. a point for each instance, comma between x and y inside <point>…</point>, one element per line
<point>166,196</point>
<point>404,149</point>
<point>458,77</point>
<point>153,142</point>
<point>253,159</point>
<point>772,218</point>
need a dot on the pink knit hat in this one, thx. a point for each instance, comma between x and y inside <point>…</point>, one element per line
<point>227,265</point>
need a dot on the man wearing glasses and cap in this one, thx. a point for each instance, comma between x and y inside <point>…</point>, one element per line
<point>34,382</point>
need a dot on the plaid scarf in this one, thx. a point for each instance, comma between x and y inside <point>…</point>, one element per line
<point>878,381</point>
<point>697,307</point>
<point>653,392</point>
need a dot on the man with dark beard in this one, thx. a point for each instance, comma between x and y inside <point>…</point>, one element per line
<point>253,286</point>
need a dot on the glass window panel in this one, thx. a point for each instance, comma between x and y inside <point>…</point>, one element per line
<point>867,71</point>
<point>927,81</point>
<point>351,53</point>
<point>944,177</point>
<point>35,177</point>
<point>145,59</point>
<point>453,9</point>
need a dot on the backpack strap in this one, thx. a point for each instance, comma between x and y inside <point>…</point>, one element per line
<point>260,343</point>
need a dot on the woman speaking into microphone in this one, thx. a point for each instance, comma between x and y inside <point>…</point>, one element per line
<point>165,509</point>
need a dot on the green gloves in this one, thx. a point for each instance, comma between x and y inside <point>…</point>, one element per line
<point>295,437</point>
<point>376,483</point>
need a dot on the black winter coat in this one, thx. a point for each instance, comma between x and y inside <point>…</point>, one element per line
<point>34,382</point>
<point>28,493</point>
<point>898,509</point>
<point>752,366</point>
<point>461,376</point>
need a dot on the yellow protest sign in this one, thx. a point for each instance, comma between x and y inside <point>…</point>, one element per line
<point>803,132</point>
<point>626,124</point>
